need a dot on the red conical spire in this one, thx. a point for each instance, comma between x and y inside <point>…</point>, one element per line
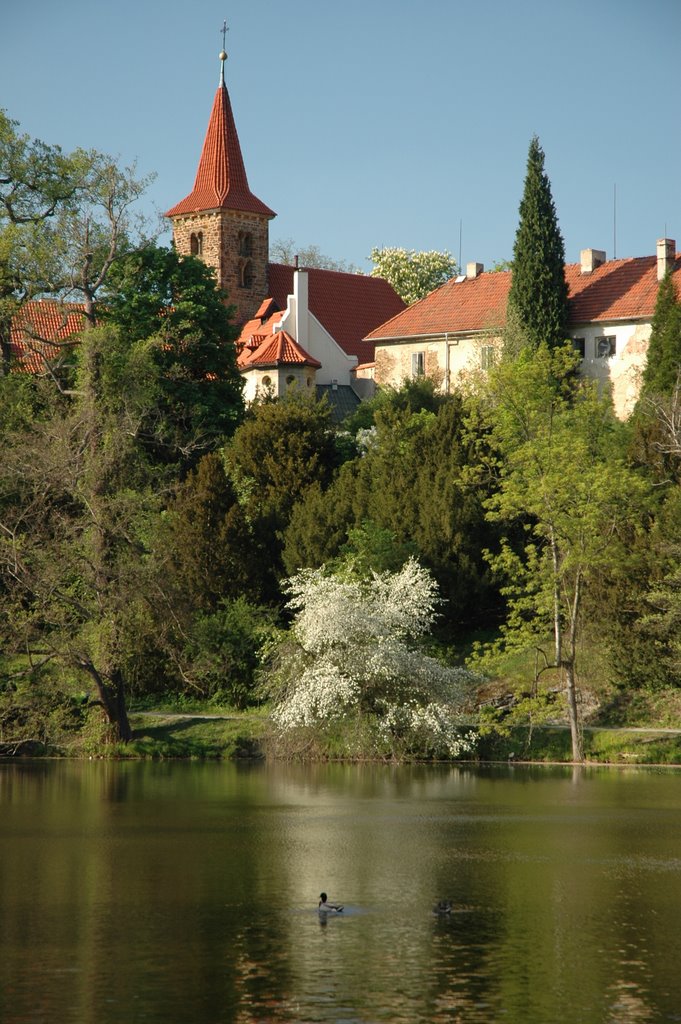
<point>221,181</point>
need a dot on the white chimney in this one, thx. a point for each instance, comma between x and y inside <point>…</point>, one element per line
<point>590,259</point>
<point>474,270</point>
<point>666,253</point>
<point>300,295</point>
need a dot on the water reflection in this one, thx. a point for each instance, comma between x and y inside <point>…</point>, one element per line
<point>182,892</point>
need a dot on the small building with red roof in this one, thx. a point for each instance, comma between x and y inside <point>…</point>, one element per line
<point>454,332</point>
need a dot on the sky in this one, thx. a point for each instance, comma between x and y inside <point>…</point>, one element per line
<point>375,122</point>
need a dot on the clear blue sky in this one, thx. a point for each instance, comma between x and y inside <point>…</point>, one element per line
<point>376,122</point>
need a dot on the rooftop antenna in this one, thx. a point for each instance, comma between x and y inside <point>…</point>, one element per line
<point>223,53</point>
<point>460,233</point>
<point>614,222</point>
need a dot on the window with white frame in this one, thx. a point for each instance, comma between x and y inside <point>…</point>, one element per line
<point>418,364</point>
<point>605,346</point>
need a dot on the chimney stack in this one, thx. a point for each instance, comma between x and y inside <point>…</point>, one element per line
<point>590,259</point>
<point>666,254</point>
<point>474,270</point>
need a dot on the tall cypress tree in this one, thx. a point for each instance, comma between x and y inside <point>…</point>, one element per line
<point>538,299</point>
<point>664,349</point>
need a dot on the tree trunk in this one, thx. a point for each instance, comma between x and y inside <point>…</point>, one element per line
<point>5,345</point>
<point>122,721</point>
<point>573,712</point>
<point>570,680</point>
<point>112,698</point>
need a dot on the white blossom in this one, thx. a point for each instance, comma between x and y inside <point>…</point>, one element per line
<point>353,652</point>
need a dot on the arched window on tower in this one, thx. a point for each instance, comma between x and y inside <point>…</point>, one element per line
<point>196,243</point>
<point>245,274</point>
<point>245,243</point>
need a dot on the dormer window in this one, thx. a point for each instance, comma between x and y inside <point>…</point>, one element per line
<point>196,243</point>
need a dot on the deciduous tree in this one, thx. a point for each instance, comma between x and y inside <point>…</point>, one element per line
<point>353,652</point>
<point>412,274</point>
<point>563,475</point>
<point>174,302</point>
<point>286,250</point>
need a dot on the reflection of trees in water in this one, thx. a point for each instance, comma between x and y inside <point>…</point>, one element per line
<point>188,892</point>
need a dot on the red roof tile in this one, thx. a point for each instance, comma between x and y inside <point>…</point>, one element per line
<point>36,325</point>
<point>348,306</point>
<point>278,349</point>
<point>616,290</point>
<point>221,181</point>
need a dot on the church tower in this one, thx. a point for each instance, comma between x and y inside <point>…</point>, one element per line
<point>221,220</point>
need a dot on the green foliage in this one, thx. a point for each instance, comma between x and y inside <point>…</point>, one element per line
<point>24,398</point>
<point>36,182</point>
<point>281,450</point>
<point>173,303</point>
<point>204,548</point>
<point>371,548</point>
<point>39,714</point>
<point>416,394</point>
<point>412,274</point>
<point>319,522</point>
<point>538,299</point>
<point>422,480</point>
<point>661,621</point>
<point>564,477</point>
<point>223,652</point>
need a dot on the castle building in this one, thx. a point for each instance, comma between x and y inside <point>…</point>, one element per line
<point>456,332</point>
<point>303,328</point>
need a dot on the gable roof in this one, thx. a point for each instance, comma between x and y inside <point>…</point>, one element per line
<point>348,306</point>
<point>278,349</point>
<point>221,181</point>
<point>616,290</point>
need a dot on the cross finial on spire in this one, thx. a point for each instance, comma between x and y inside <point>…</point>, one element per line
<point>223,53</point>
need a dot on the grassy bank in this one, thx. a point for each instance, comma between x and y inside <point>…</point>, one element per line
<point>601,745</point>
<point>233,735</point>
<point>238,735</point>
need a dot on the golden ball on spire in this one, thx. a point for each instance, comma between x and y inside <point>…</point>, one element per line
<point>223,55</point>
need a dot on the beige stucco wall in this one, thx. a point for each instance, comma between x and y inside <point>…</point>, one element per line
<point>281,380</point>
<point>446,359</point>
<point>620,372</point>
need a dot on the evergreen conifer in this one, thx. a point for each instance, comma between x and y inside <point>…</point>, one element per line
<point>664,350</point>
<point>538,299</point>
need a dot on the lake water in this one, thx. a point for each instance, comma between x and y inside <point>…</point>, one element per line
<point>180,892</point>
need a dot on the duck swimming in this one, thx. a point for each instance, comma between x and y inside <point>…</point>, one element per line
<point>328,908</point>
<point>442,907</point>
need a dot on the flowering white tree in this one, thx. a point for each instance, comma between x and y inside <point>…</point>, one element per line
<point>412,274</point>
<point>351,652</point>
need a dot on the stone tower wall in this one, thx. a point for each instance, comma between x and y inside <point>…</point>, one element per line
<point>236,244</point>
